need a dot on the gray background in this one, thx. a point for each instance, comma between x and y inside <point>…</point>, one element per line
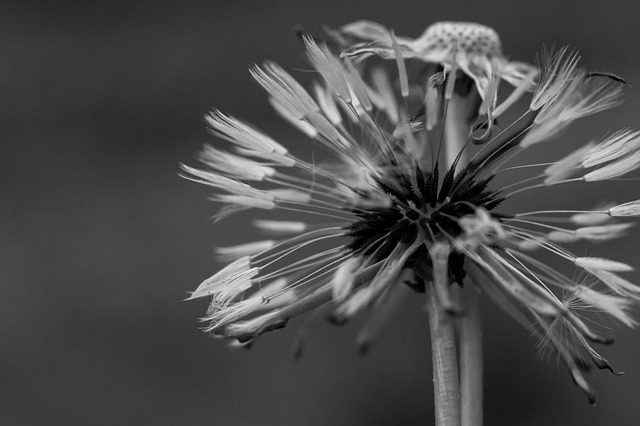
<point>100,240</point>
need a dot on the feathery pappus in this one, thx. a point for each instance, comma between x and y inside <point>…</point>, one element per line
<point>410,196</point>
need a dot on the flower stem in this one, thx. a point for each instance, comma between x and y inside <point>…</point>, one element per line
<point>470,340</point>
<point>446,387</point>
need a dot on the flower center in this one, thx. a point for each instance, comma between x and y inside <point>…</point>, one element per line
<point>420,209</point>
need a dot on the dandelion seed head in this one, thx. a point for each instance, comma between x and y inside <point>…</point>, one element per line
<point>409,195</point>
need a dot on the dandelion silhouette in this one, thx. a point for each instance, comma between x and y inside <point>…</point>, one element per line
<point>412,201</point>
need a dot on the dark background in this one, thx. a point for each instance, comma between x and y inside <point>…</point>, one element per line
<point>100,240</point>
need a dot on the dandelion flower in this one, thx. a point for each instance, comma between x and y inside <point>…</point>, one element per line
<point>399,206</point>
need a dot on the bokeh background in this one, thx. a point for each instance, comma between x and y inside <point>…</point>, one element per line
<point>100,240</point>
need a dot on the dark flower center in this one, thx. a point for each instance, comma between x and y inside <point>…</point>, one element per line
<point>421,207</point>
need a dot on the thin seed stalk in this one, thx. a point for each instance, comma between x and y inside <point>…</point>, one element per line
<point>470,341</point>
<point>468,326</point>
<point>446,387</point>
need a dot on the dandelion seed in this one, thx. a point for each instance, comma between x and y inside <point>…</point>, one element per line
<point>632,208</point>
<point>390,202</point>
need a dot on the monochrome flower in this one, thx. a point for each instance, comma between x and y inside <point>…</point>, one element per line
<point>472,48</point>
<point>391,210</point>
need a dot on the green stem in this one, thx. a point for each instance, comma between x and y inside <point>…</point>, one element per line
<point>470,340</point>
<point>446,387</point>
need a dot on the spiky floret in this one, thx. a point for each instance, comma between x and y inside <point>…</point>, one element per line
<point>420,209</point>
<point>385,212</point>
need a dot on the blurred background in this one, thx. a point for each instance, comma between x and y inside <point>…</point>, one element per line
<point>100,240</point>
